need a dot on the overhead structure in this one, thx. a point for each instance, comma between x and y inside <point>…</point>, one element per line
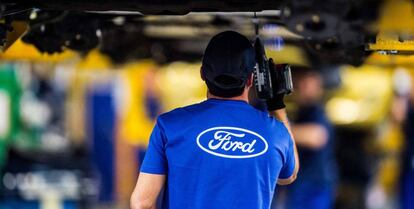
<point>331,32</point>
<point>396,29</point>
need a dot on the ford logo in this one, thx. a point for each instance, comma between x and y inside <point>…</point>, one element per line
<point>232,142</point>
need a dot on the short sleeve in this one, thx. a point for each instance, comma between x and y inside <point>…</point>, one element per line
<point>289,164</point>
<point>155,161</point>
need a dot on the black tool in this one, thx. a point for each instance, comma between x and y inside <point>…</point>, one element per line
<point>269,78</point>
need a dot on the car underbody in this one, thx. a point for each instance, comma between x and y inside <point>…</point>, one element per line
<point>331,32</point>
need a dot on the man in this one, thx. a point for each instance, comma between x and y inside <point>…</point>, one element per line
<point>314,188</point>
<point>221,153</point>
<point>402,112</point>
<point>407,168</point>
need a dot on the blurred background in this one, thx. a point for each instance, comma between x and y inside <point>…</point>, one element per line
<point>81,85</point>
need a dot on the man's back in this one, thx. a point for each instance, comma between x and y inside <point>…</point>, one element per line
<point>219,154</point>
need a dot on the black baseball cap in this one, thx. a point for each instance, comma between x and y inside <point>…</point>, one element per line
<point>228,61</point>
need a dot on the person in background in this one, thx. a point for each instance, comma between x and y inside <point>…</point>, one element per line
<point>407,172</point>
<point>402,111</point>
<point>315,185</point>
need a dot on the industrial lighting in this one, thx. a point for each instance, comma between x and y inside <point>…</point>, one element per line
<point>343,110</point>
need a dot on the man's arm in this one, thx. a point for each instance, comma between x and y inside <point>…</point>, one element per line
<point>310,135</point>
<point>146,191</point>
<point>151,180</point>
<point>282,116</point>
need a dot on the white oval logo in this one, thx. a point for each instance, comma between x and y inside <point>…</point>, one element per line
<point>232,142</point>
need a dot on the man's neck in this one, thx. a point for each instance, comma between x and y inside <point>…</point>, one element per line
<point>243,97</point>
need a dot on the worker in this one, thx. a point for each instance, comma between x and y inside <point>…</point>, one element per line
<point>315,186</point>
<point>407,171</point>
<point>402,112</point>
<point>221,153</point>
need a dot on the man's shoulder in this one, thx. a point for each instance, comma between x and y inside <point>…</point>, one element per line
<point>279,130</point>
<point>180,112</point>
<point>271,121</point>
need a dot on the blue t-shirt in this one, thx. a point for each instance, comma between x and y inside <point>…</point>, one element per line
<point>219,154</point>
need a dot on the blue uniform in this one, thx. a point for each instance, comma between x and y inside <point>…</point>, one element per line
<point>219,154</point>
<point>407,178</point>
<point>314,187</point>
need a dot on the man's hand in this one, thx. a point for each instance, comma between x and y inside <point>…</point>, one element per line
<point>276,102</point>
<point>310,135</point>
<point>146,191</point>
